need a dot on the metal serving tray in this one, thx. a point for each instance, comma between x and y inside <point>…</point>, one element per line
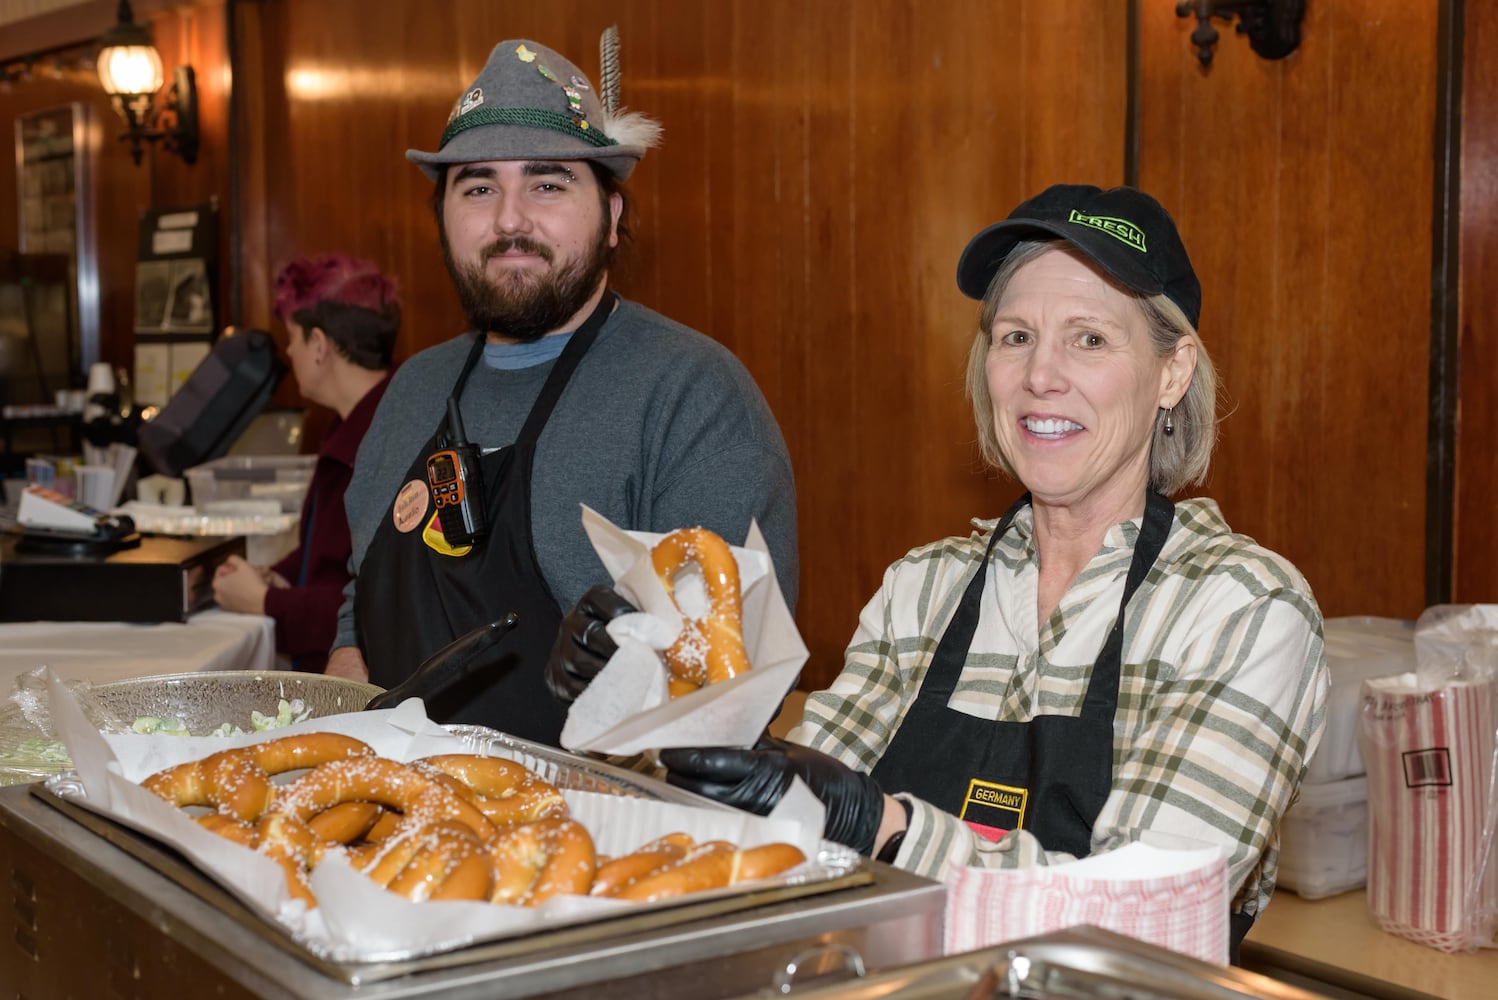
<point>835,868</point>
<point>1083,963</point>
<point>70,892</point>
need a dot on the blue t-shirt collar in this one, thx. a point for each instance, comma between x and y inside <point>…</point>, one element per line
<point>508,357</point>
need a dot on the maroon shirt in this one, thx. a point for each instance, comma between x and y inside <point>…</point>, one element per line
<point>306,613</point>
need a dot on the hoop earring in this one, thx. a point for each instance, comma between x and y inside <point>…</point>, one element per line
<point>1169,427</point>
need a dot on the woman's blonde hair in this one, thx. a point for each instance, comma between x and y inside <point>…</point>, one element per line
<point>1177,460</point>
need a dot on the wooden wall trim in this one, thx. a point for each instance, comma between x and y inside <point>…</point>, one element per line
<point>1445,261</point>
<point>1131,97</point>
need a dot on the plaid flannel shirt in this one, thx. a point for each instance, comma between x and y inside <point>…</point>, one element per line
<point>1222,695</point>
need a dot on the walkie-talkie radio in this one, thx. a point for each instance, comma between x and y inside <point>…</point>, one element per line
<point>457,483</point>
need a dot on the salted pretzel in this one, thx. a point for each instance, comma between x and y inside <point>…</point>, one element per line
<point>448,862</point>
<point>289,843</point>
<point>616,873</point>
<point>237,782</point>
<point>711,648</point>
<point>535,861</point>
<point>452,827</point>
<point>418,798</point>
<point>504,791</point>
<point>347,821</point>
<point>711,865</point>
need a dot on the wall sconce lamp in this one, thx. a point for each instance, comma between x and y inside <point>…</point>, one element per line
<point>130,70</point>
<point>1272,26</point>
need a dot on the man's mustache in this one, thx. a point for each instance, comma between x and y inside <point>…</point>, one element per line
<point>520,243</point>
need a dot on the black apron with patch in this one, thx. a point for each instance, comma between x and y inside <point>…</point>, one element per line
<point>413,597</point>
<point>1050,775</point>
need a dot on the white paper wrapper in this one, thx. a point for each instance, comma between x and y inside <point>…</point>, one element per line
<point>626,710</point>
<point>356,921</point>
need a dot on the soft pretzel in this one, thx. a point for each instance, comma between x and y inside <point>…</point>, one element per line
<point>535,861</point>
<point>237,782</point>
<point>346,822</point>
<point>290,844</point>
<point>448,862</point>
<point>766,861</point>
<point>616,873</point>
<point>424,830</point>
<point>712,865</point>
<point>711,648</point>
<point>707,866</point>
<point>504,791</point>
<point>418,798</point>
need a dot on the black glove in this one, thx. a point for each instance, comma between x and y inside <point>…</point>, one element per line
<point>754,780</point>
<point>583,645</point>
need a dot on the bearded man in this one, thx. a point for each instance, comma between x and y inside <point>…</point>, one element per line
<point>567,393</point>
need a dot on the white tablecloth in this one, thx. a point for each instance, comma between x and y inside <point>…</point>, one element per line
<point>111,651</point>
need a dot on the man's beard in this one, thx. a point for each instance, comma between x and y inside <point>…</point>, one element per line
<point>523,306</point>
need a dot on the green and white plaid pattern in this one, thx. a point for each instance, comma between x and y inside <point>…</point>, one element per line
<point>1222,698</point>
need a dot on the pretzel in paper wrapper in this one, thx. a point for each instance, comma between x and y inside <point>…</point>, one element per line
<point>627,708</point>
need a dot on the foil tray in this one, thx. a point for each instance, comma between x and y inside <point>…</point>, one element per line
<point>834,868</point>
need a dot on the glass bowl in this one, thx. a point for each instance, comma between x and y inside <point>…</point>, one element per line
<point>203,702</point>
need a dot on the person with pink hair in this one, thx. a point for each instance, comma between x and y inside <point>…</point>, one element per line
<point>342,315</point>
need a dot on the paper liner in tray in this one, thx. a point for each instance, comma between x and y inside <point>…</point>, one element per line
<point>626,709</point>
<point>358,922</point>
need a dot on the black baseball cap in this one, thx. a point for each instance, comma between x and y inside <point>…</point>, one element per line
<point>1123,230</point>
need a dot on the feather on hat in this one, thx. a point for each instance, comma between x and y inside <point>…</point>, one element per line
<point>530,103</point>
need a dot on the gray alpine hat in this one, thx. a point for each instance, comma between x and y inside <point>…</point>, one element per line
<point>529,103</point>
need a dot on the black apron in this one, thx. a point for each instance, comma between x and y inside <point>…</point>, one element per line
<point>1050,775</point>
<point>416,594</point>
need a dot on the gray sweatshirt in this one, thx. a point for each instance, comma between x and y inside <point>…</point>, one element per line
<point>659,428</point>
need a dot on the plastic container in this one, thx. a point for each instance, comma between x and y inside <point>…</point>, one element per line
<point>1356,649</point>
<point>269,533</point>
<point>1324,839</point>
<point>282,478</point>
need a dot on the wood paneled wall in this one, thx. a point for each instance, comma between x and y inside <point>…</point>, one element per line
<point>1302,188</point>
<point>122,190</point>
<point>823,167</point>
<point>824,164</point>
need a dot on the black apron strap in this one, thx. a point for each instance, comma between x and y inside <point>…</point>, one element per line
<point>573,353</point>
<point>951,652</point>
<point>1102,690</point>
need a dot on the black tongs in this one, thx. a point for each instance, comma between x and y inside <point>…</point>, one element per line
<point>448,666</point>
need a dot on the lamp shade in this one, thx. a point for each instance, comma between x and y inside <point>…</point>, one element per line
<point>130,69</point>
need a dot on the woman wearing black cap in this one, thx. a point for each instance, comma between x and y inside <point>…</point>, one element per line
<point>1098,662</point>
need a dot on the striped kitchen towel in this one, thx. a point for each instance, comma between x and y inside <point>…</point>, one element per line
<point>1429,756</point>
<point>1176,899</point>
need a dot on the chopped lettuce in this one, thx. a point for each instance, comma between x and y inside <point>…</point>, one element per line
<point>287,713</point>
<point>150,725</point>
<point>37,750</point>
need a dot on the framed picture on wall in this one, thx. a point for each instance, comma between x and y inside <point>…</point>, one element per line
<point>174,298</point>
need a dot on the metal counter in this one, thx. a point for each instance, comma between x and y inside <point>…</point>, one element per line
<point>88,918</point>
<point>1083,963</point>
